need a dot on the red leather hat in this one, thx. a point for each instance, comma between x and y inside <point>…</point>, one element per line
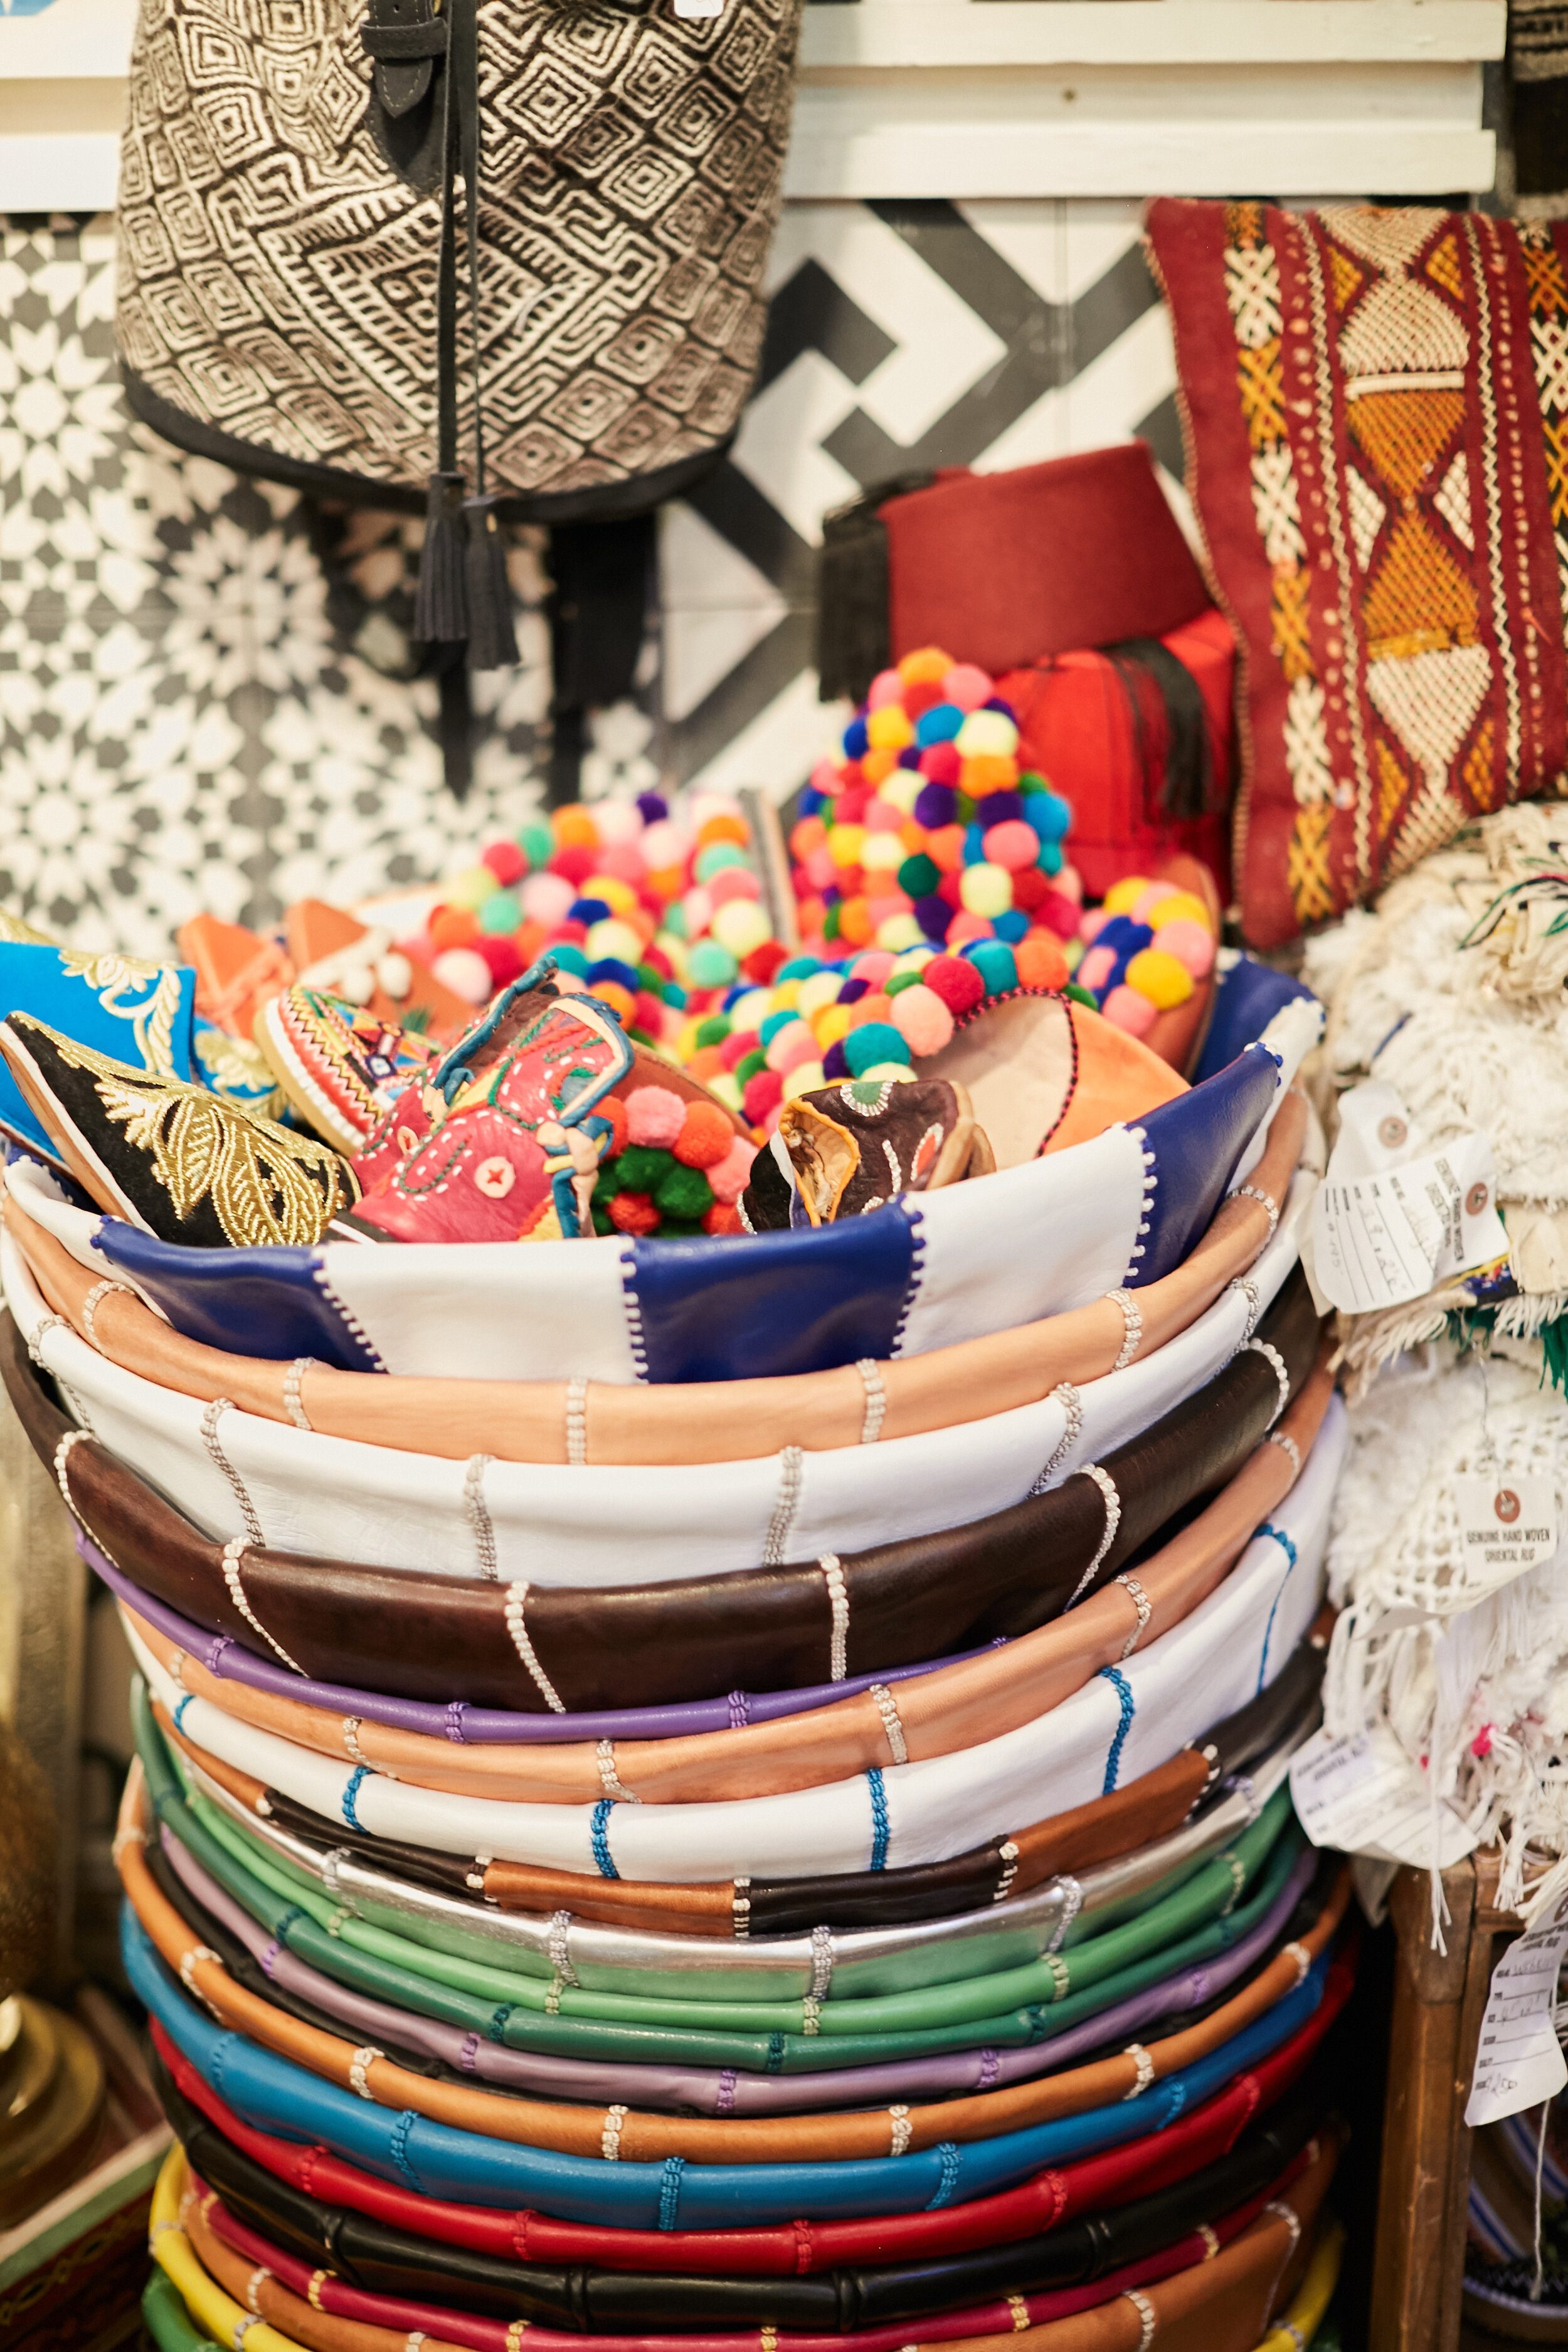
<point>1005,569</point>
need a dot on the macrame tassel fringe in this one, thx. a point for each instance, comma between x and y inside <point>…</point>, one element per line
<point>440,601</point>
<point>492,640</point>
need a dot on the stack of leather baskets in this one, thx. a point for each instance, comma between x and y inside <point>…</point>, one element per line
<point>905,1940</point>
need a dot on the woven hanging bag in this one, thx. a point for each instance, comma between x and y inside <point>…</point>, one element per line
<point>304,278</point>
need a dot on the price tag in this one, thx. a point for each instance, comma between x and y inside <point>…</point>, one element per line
<point>1381,1239</point>
<point>1365,1796</point>
<point>1519,2061</point>
<point>1509,1523</point>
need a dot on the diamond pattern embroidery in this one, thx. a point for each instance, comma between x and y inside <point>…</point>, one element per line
<point>1549,342</point>
<point>1307,742</point>
<point>1252,290</point>
<point>1276,506</point>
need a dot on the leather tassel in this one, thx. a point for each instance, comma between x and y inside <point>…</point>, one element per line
<point>440,599</point>
<point>457,729</point>
<point>492,640</point>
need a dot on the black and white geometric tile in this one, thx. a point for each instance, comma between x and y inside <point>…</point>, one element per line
<point>911,333</point>
<point>204,698</point>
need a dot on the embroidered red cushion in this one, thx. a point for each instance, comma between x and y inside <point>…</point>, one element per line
<point>1376,406</point>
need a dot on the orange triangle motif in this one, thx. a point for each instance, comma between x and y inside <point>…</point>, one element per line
<point>1348,276</point>
<point>1392,785</point>
<point>1418,591</point>
<point>1443,267</point>
<point>1403,432</point>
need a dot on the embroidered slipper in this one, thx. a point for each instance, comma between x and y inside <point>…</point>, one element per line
<point>236,971</point>
<point>235,1069</point>
<point>512,1151</point>
<point>139,1013</point>
<point>342,1068</point>
<point>334,951</point>
<point>854,1146</point>
<point>418,1110</point>
<point>181,1163</point>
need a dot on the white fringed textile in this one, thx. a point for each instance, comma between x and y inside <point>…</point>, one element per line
<point>1470,1672</point>
<point>1473,1038</point>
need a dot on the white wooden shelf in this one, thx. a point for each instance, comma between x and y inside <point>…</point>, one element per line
<point>973,98</point>
<point>949,33</point>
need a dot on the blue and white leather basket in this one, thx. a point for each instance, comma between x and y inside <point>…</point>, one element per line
<point>241,1477</point>
<point>924,1272</point>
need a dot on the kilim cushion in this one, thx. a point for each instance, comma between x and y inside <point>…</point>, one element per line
<point>1377,409</point>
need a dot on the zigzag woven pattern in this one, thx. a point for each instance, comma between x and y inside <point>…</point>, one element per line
<point>1376,403</point>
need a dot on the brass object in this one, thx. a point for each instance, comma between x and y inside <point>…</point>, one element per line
<point>55,2113</point>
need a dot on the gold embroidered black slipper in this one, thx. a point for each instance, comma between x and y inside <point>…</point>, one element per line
<point>181,1163</point>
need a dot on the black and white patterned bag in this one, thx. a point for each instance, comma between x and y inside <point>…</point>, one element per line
<point>305,281</point>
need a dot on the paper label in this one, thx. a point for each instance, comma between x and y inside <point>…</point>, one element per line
<point>1381,1239</point>
<point>1373,1130</point>
<point>1365,1796</point>
<point>1509,1522</point>
<point>1519,2061</point>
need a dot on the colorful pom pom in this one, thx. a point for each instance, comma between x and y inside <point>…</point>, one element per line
<point>655,1117</point>
<point>921,1019</point>
<point>877,1042</point>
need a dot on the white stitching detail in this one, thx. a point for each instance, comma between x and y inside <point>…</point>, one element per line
<point>188,1968</point>
<point>1107,1484</point>
<point>1072,1904</point>
<point>1072,1405</point>
<point>221,1462</point>
<point>577,1424</point>
<point>1145,2074</point>
<point>1008,1855</point>
<point>876,1400</point>
<point>560,1948</point>
<point>902,2131</point>
<point>610,2137</point>
<point>822,1959</point>
<point>838,1602</point>
<point>1132,1326</point>
<point>891,1724</point>
<point>233,1552</point>
<point>516,1596</point>
<point>1145,2310</point>
<point>1289,1447</point>
<point>791,1464</point>
<point>351,1322</point>
<point>293,1391</point>
<point>1273,1357</point>
<point>609,1778</point>
<point>1290,2218</point>
<point>1254,1296</point>
<point>359,2066</point>
<point>90,1307</point>
<point>1143,1605</point>
<point>477,1513</point>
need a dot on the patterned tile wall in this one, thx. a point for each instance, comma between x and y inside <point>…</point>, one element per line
<point>204,697</point>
